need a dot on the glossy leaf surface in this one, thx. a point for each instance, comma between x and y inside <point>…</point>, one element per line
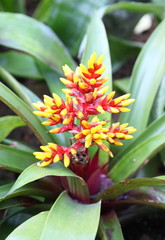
<point>34,172</point>
<point>146,78</point>
<point>120,188</point>
<point>28,230</point>
<point>35,38</point>
<point>132,160</point>
<point>25,112</point>
<point>80,220</point>
<point>50,225</point>
<point>20,64</point>
<point>9,123</point>
<point>15,159</point>
<point>64,17</point>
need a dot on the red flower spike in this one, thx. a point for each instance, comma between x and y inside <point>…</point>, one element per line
<point>85,97</point>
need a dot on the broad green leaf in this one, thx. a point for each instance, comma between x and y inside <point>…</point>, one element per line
<point>20,64</point>
<point>34,173</point>
<point>13,5</point>
<point>28,230</point>
<point>134,158</point>
<point>9,123</point>
<point>96,41</point>
<point>25,112</point>
<point>146,78</point>
<point>110,227</point>
<point>157,127</point>
<point>68,22</point>
<point>120,188</point>
<point>157,9</point>
<point>80,220</point>
<point>34,38</point>
<point>15,159</point>
<point>121,50</point>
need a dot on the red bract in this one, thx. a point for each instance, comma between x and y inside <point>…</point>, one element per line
<point>85,96</point>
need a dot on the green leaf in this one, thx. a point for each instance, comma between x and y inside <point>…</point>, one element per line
<point>157,127</point>
<point>13,5</point>
<point>121,50</point>
<point>35,38</point>
<point>59,14</point>
<point>110,227</point>
<point>33,189</point>
<point>65,212</point>
<point>159,104</point>
<point>19,145</point>
<point>34,173</point>
<point>96,41</point>
<point>18,88</point>
<point>15,159</point>
<point>134,158</point>
<point>9,123</point>
<point>146,78</point>
<point>157,9</point>
<point>25,112</point>
<point>20,64</point>
<point>28,230</point>
<point>120,188</point>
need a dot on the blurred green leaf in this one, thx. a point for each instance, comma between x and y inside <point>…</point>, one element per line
<point>35,38</point>
<point>15,159</point>
<point>13,5</point>
<point>133,159</point>
<point>9,123</point>
<point>159,104</point>
<point>24,93</point>
<point>64,17</point>
<point>34,172</point>
<point>120,188</point>
<point>157,9</point>
<point>25,112</point>
<point>121,50</point>
<point>110,227</point>
<point>122,84</point>
<point>145,80</point>
<point>20,64</point>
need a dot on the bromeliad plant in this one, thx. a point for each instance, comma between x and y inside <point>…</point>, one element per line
<point>78,189</point>
<point>85,97</point>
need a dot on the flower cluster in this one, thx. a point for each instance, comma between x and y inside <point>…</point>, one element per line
<point>85,96</point>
